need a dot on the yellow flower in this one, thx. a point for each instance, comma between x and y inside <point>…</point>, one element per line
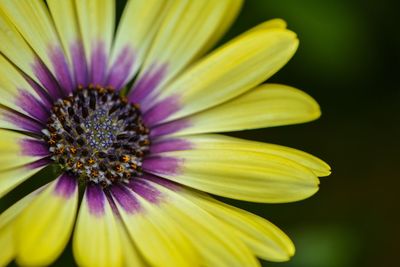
<point>129,118</point>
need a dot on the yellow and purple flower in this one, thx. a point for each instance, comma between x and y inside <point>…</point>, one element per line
<point>129,118</point>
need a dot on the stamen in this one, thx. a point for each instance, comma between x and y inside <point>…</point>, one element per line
<point>96,135</point>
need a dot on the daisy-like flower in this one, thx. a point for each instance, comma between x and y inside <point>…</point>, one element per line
<point>129,120</point>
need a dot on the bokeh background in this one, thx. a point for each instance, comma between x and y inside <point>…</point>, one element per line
<point>348,60</point>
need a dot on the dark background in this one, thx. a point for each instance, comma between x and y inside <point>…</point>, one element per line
<point>348,60</point>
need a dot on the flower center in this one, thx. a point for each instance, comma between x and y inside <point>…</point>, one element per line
<point>97,136</point>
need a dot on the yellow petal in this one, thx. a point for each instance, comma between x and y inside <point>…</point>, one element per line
<point>263,238</point>
<point>138,25</point>
<point>14,47</point>
<point>33,21</point>
<point>44,227</point>
<point>10,214</point>
<point>65,21</point>
<point>18,149</point>
<point>217,142</point>
<point>265,106</point>
<point>130,252</point>
<point>7,219</point>
<point>97,21</point>
<point>16,93</point>
<point>230,15</point>
<point>7,245</point>
<point>186,29</point>
<point>155,235</point>
<point>271,24</point>
<point>11,178</point>
<point>96,239</point>
<point>230,70</point>
<point>12,120</point>
<point>66,24</point>
<point>238,174</point>
<point>217,245</point>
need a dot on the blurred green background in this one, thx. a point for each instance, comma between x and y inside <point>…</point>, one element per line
<point>348,60</point>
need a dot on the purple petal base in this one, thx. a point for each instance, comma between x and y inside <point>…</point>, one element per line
<point>125,198</point>
<point>161,111</point>
<point>66,186</point>
<point>162,165</point>
<point>121,69</point>
<point>43,94</point>
<point>147,83</point>
<point>145,190</point>
<point>160,181</point>
<point>79,63</point>
<point>34,148</point>
<point>47,79</point>
<point>61,69</point>
<point>32,106</point>
<point>170,127</point>
<point>167,145</point>
<point>22,121</point>
<point>96,199</point>
<point>39,163</point>
<point>98,63</point>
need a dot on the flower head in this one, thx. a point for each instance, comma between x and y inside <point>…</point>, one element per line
<point>129,119</point>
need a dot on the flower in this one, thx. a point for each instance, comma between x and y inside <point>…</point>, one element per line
<point>129,119</point>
